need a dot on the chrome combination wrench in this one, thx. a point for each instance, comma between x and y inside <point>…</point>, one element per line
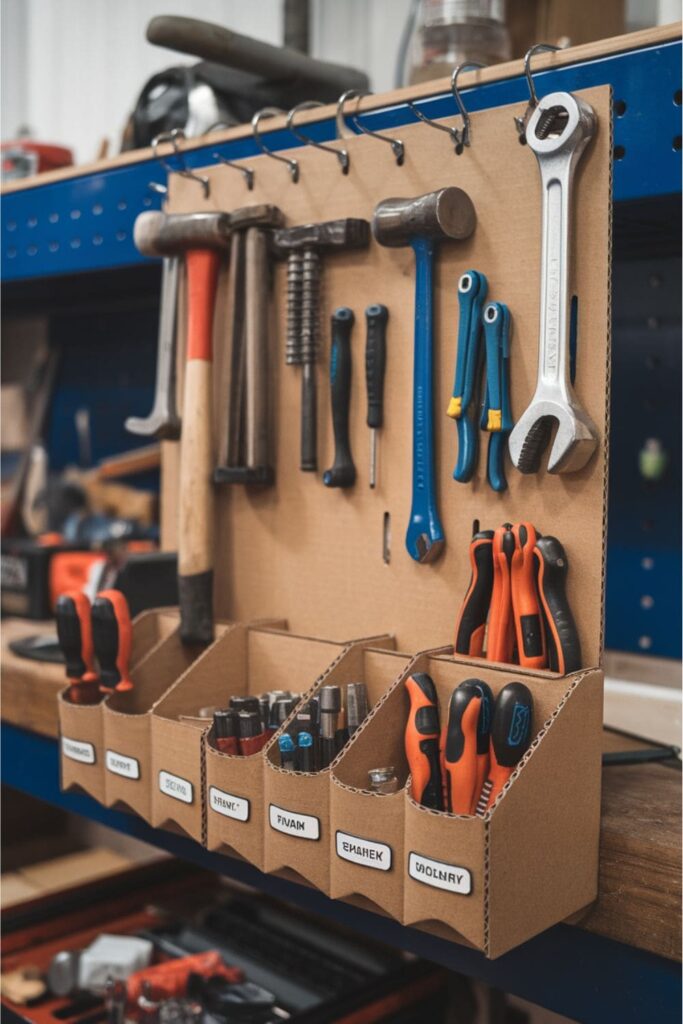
<point>558,132</point>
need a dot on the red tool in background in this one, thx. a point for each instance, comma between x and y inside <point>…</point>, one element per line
<point>112,637</point>
<point>74,632</point>
<point>169,980</point>
<point>510,738</point>
<point>422,741</point>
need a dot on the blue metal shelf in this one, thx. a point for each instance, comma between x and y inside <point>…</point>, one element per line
<point>570,971</point>
<point>86,223</point>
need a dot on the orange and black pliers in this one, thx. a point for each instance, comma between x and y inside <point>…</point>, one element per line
<point>422,741</point>
<point>465,746</point>
<point>74,633</point>
<point>113,637</point>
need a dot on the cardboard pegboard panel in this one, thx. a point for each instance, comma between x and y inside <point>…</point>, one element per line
<point>315,554</point>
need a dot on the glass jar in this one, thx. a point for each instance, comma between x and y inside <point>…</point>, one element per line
<point>450,32</point>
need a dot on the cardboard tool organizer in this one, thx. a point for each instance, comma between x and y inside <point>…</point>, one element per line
<point>333,564</point>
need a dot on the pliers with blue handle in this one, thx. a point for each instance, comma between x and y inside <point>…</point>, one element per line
<point>496,415</point>
<point>472,288</point>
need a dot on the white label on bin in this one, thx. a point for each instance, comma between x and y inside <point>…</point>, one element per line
<point>303,826</point>
<point>228,805</point>
<point>78,750</point>
<point>365,852</point>
<point>175,787</point>
<point>121,764</point>
<point>440,875</point>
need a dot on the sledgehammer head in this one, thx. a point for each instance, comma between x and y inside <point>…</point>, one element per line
<point>171,234</point>
<point>447,213</point>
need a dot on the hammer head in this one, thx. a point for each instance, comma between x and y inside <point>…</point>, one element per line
<point>347,233</point>
<point>171,234</point>
<point>447,213</point>
<point>260,215</point>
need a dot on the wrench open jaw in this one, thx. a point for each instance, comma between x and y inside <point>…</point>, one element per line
<point>558,132</point>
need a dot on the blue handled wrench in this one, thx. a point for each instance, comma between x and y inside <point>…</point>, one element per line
<point>422,223</point>
<point>496,414</point>
<point>472,288</point>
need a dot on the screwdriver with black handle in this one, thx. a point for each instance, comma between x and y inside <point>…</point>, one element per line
<point>343,472</point>
<point>112,637</point>
<point>422,741</point>
<point>74,632</point>
<point>376,317</point>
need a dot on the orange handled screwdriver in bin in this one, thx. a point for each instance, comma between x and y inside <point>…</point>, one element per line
<point>471,625</point>
<point>510,738</point>
<point>112,636</point>
<point>422,741</point>
<point>74,632</point>
<point>526,608</point>
<point>465,746</point>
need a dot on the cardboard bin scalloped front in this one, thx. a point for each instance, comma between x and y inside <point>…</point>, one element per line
<point>81,726</point>
<point>495,882</point>
<point>298,842</point>
<point>234,785</point>
<point>127,724</point>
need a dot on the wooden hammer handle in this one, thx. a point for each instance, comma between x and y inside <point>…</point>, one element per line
<point>195,533</point>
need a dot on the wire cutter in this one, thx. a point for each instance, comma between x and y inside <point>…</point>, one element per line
<point>472,288</point>
<point>496,414</point>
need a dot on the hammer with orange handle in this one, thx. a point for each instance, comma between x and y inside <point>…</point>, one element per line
<point>74,632</point>
<point>113,637</point>
<point>422,741</point>
<point>201,237</point>
<point>510,738</point>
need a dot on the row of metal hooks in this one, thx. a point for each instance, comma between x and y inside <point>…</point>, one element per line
<point>461,138</point>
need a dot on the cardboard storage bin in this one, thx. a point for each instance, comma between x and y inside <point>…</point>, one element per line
<point>81,726</point>
<point>297,805</point>
<point>366,828</point>
<point>494,882</point>
<point>259,660</point>
<point>127,730</point>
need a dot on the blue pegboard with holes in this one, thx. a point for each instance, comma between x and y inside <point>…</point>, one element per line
<point>86,223</point>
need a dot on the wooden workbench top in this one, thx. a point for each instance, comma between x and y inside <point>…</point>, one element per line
<point>640,844</point>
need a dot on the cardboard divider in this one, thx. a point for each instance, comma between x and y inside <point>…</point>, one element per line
<point>81,726</point>
<point>259,660</point>
<point>296,804</point>
<point>496,881</point>
<point>126,720</point>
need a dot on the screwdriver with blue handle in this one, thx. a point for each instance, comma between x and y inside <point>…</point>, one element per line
<point>376,317</point>
<point>496,415</point>
<point>472,288</point>
<point>510,738</point>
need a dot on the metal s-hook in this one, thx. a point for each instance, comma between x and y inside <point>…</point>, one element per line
<point>173,137</point>
<point>344,132</point>
<point>521,122</point>
<point>247,172</point>
<point>341,154</point>
<point>292,164</point>
<point>466,120</point>
<point>460,139</point>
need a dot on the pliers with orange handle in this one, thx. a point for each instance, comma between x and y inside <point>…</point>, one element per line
<point>500,639</point>
<point>113,637</point>
<point>562,636</point>
<point>526,607</point>
<point>510,738</point>
<point>422,741</point>
<point>74,633</point>
<point>465,746</point>
<point>471,625</point>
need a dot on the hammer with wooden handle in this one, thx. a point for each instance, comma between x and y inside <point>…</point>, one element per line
<point>200,238</point>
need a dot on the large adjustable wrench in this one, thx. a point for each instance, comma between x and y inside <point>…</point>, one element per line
<point>163,421</point>
<point>558,132</point>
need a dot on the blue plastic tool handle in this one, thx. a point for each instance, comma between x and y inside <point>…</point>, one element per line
<point>497,339</point>
<point>424,537</point>
<point>468,364</point>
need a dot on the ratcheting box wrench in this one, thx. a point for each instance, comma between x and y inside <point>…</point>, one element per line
<point>558,132</point>
<point>472,288</point>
